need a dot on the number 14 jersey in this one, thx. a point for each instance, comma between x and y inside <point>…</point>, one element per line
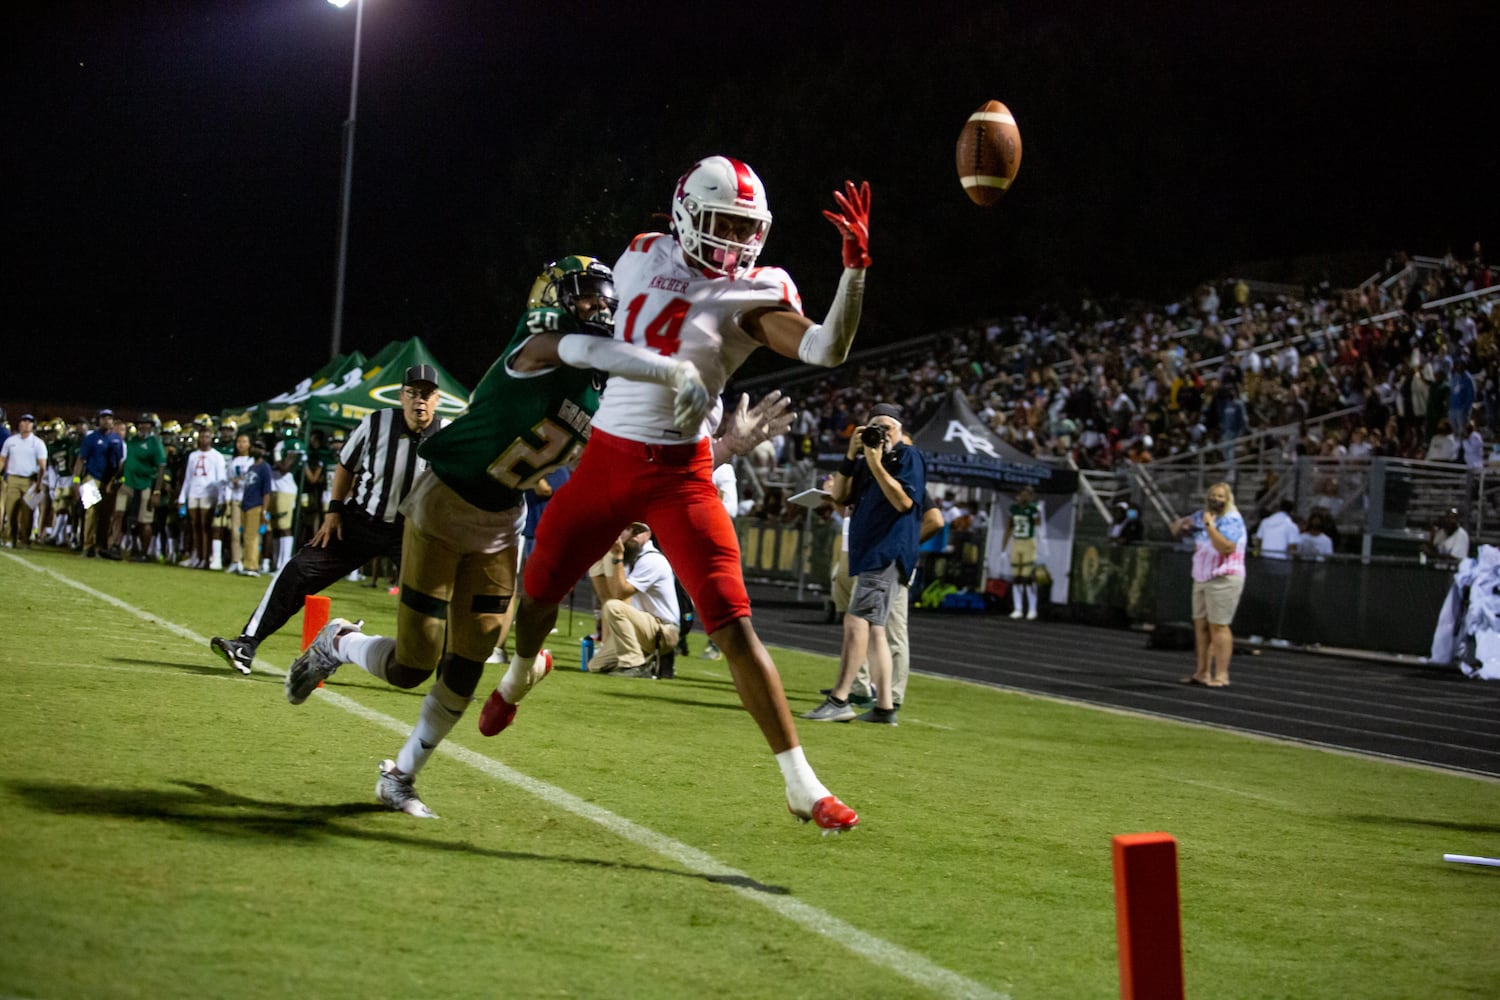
<point>675,310</point>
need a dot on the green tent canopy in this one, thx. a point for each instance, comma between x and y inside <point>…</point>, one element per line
<point>352,386</point>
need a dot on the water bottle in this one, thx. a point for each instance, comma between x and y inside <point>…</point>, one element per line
<point>586,652</point>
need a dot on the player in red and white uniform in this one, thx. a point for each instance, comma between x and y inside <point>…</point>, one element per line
<point>695,295</point>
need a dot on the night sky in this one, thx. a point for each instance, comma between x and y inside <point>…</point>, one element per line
<point>172,170</point>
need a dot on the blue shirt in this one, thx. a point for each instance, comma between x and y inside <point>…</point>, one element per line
<point>257,485</point>
<point>1460,394</point>
<point>103,454</point>
<point>536,504</point>
<point>879,534</point>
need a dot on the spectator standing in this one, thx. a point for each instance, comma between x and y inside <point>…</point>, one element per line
<point>23,459</point>
<point>100,457</point>
<point>200,494</point>
<point>287,458</point>
<point>885,491</point>
<point>144,476</point>
<point>1444,446</point>
<point>1021,539</point>
<point>252,503</point>
<point>1473,450</point>
<point>1276,536</point>
<point>1219,538</point>
<point>1314,543</point>
<point>1461,395</point>
<point>377,469</point>
<point>314,483</point>
<point>238,467</point>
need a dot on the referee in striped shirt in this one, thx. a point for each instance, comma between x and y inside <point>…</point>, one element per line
<point>376,470</point>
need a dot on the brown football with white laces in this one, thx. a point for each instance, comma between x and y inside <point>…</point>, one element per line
<point>989,153</point>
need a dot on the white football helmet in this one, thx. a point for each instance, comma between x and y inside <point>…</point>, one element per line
<point>720,216</point>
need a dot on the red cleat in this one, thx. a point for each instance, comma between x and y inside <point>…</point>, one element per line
<point>498,713</point>
<point>831,815</point>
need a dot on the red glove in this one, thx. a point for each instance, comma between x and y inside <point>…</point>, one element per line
<point>853,222</point>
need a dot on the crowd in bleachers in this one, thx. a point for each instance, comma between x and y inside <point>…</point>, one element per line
<point>1103,384</point>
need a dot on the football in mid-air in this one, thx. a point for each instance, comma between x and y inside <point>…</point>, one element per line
<point>989,153</point>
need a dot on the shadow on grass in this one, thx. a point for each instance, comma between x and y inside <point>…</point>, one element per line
<point>191,667</point>
<point>218,812</point>
<point>657,693</point>
<point>1439,824</point>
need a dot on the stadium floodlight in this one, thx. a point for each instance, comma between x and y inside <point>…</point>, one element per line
<point>343,258</point>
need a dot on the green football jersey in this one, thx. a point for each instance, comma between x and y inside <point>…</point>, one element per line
<point>1023,520</point>
<point>518,427</point>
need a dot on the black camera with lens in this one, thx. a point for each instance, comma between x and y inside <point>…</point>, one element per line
<point>872,436</point>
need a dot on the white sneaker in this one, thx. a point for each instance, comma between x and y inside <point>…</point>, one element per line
<point>1016,613</point>
<point>1031,615</point>
<point>216,565</point>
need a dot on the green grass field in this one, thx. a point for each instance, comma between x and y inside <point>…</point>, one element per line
<point>170,828</point>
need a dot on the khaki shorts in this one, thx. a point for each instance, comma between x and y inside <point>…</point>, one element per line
<point>142,499</point>
<point>1022,557</point>
<point>1217,599</point>
<point>200,503</point>
<point>458,575</point>
<point>280,506</point>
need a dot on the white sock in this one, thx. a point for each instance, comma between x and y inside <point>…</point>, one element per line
<point>372,653</point>
<point>283,551</point>
<point>1030,591</point>
<point>802,786</point>
<point>441,710</point>
<point>521,677</point>
<point>218,550</point>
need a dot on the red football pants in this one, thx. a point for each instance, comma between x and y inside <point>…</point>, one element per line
<point>669,488</point>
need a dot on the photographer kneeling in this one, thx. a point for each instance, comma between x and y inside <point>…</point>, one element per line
<point>885,490</point>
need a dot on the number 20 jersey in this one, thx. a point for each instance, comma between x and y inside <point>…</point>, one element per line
<point>673,309</point>
<point>519,425</point>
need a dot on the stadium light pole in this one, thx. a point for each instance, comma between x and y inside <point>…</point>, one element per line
<point>343,259</point>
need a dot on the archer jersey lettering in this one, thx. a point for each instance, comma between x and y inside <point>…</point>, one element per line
<point>672,309</point>
<point>1023,519</point>
<point>519,425</point>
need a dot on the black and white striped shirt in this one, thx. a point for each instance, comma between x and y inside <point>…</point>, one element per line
<point>382,456</point>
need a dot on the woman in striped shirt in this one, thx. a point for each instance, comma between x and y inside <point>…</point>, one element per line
<point>1219,539</point>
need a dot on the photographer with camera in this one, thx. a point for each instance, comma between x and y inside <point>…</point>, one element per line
<point>1219,540</point>
<point>885,490</point>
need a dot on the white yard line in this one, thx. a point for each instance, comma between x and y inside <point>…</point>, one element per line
<point>909,965</point>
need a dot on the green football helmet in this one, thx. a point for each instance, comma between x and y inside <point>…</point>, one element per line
<point>563,282</point>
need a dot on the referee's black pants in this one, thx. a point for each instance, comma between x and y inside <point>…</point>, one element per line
<point>312,569</point>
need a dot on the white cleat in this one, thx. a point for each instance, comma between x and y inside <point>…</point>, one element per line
<point>396,790</point>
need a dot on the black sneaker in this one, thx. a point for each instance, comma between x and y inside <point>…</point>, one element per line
<point>880,716</point>
<point>238,653</point>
